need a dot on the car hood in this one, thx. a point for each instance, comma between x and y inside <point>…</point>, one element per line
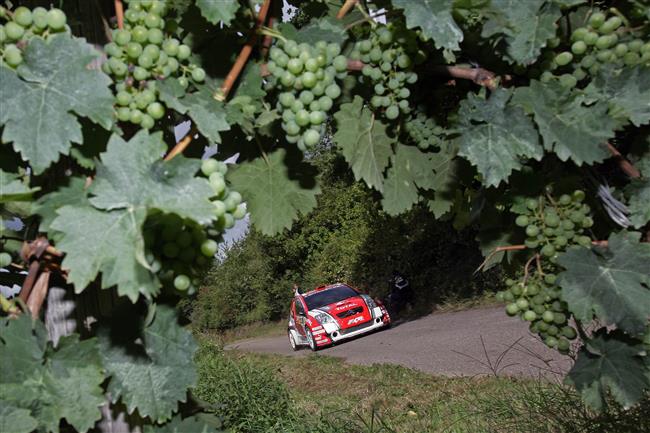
<point>348,313</point>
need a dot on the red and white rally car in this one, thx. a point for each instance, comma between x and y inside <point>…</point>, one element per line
<point>332,313</point>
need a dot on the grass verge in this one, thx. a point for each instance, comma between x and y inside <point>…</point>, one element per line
<point>320,394</point>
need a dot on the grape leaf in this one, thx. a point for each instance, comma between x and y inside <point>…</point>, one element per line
<point>627,91</point>
<point>131,175</point>
<point>22,344</point>
<point>610,284</point>
<point>638,193</point>
<point>218,11</point>
<point>16,420</point>
<point>275,191</point>
<point>411,169</point>
<point>12,188</point>
<point>496,136</point>
<point>569,127</point>
<point>444,181</point>
<point>435,19</point>
<point>46,380</point>
<point>46,206</point>
<point>108,242</point>
<point>327,29</point>
<point>364,141</point>
<point>50,87</point>
<point>526,26</point>
<point>610,363</point>
<point>207,113</point>
<point>153,371</point>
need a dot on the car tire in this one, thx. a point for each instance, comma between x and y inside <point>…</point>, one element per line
<point>292,342</point>
<point>311,342</point>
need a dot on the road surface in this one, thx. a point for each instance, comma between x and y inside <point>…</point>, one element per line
<point>467,343</point>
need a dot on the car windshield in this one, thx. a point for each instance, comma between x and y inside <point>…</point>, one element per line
<point>329,296</point>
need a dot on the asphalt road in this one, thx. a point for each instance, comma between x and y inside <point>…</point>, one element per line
<point>467,343</point>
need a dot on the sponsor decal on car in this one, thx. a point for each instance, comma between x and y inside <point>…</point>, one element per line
<point>355,320</point>
<point>345,307</point>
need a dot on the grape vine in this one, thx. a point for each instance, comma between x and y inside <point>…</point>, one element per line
<point>526,122</point>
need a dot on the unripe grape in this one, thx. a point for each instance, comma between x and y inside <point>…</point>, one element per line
<point>311,137</point>
<point>590,38</point>
<point>522,221</point>
<point>578,47</point>
<point>579,34</point>
<point>240,211</point>
<point>12,55</point>
<point>184,52</point>
<point>392,112</point>
<point>5,259</point>
<point>209,248</point>
<point>198,75</point>
<point>14,31</point>
<point>532,231</point>
<point>563,58</point>
<point>56,19</point>
<point>597,19</point>
<point>551,341</point>
<point>530,316</point>
<point>23,16</point>
<point>548,250</point>
<point>512,309</point>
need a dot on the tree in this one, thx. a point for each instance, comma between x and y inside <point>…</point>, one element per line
<point>557,104</point>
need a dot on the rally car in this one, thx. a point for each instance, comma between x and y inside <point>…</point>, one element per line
<point>332,313</point>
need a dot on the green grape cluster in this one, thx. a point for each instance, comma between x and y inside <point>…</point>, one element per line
<point>423,130</point>
<point>180,251</point>
<point>601,41</point>
<point>141,53</point>
<point>388,68</point>
<point>536,299</point>
<point>23,24</point>
<point>552,225</point>
<point>305,76</point>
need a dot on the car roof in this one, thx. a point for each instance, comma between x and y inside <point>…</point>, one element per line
<point>326,287</point>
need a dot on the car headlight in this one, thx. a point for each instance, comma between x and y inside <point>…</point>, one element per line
<point>369,302</point>
<point>324,318</point>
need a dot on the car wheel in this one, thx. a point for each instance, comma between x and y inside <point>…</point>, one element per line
<point>292,342</point>
<point>311,342</point>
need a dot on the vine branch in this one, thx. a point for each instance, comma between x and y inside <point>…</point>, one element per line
<point>119,13</point>
<point>625,165</point>
<point>349,4</point>
<point>480,76</point>
<point>244,54</point>
<point>181,145</point>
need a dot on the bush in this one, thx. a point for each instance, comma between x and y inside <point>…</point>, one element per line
<point>248,397</point>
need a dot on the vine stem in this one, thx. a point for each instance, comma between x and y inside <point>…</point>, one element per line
<point>536,256</point>
<point>119,13</point>
<point>480,76</point>
<point>244,54</point>
<point>181,145</point>
<point>349,4</point>
<point>626,166</point>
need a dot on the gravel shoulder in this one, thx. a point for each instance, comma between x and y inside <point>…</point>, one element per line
<point>466,343</point>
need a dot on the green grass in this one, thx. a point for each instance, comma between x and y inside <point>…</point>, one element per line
<point>405,400</point>
<point>327,395</point>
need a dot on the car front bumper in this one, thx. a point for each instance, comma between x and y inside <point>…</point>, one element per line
<point>335,334</point>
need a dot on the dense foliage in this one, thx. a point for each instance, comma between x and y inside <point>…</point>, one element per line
<point>347,237</point>
<point>554,101</point>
